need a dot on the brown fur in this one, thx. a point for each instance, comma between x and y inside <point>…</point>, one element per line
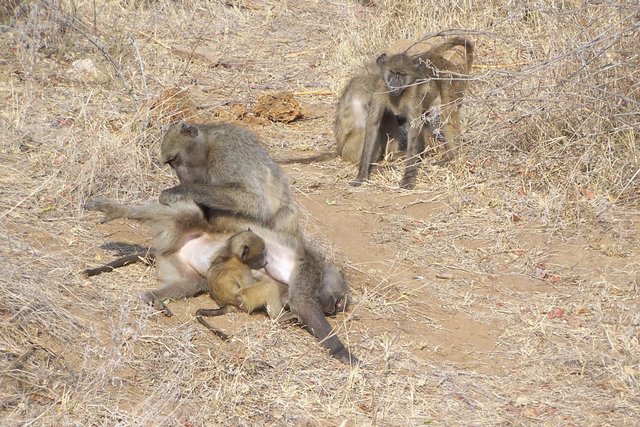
<point>231,281</point>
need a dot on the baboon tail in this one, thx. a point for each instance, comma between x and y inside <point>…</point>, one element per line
<point>319,157</point>
<point>457,41</point>
<point>142,256</point>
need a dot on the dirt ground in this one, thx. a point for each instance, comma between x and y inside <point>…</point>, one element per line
<point>492,294</point>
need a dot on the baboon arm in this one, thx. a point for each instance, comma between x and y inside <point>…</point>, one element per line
<point>235,199</point>
<point>371,141</point>
<point>144,256</point>
<point>209,195</point>
<point>311,315</point>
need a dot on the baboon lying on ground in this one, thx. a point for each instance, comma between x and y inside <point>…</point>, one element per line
<point>185,245</point>
<point>401,87</point>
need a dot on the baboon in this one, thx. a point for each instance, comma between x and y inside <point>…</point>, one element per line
<point>235,185</point>
<point>351,119</point>
<point>232,283</point>
<point>223,168</point>
<point>402,87</point>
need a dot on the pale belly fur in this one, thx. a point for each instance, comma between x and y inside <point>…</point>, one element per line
<point>200,251</point>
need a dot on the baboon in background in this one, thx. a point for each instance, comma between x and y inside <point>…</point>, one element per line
<point>350,123</point>
<point>235,185</point>
<point>401,87</point>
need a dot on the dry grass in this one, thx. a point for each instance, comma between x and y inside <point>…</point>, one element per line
<point>502,291</point>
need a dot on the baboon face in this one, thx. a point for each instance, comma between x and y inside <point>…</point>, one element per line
<point>186,151</point>
<point>333,294</point>
<point>250,249</point>
<point>397,71</point>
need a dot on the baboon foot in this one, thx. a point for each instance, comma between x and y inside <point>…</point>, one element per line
<point>408,182</point>
<point>357,182</point>
<point>149,298</point>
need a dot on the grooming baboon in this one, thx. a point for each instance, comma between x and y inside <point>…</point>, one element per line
<point>401,87</point>
<point>237,185</point>
<point>223,168</point>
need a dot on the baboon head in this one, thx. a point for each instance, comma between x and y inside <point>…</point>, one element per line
<point>333,293</point>
<point>185,149</point>
<point>249,248</point>
<point>398,72</point>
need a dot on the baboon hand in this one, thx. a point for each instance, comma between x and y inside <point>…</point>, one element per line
<point>171,195</point>
<point>149,298</point>
<point>107,207</point>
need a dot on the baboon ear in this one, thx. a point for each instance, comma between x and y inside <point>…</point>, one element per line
<point>189,130</point>
<point>381,59</point>
<point>245,252</point>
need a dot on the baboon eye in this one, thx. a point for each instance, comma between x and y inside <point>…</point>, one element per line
<point>245,252</point>
<point>171,160</point>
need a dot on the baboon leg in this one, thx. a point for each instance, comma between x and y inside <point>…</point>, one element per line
<point>142,256</point>
<point>415,147</point>
<point>182,288</point>
<point>312,316</point>
<point>214,312</point>
<point>371,142</point>
<point>303,304</point>
<point>265,292</point>
<point>351,148</point>
<point>450,125</point>
<point>148,212</point>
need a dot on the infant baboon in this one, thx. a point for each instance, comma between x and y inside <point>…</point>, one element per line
<point>401,87</point>
<point>232,283</point>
